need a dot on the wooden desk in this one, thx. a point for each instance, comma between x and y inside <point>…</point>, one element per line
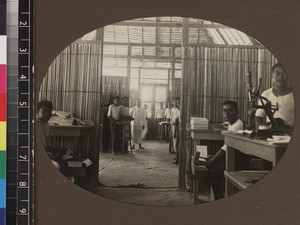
<point>84,145</point>
<point>251,146</point>
<point>197,135</point>
<point>211,134</point>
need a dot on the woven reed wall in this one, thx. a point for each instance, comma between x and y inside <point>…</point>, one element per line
<point>115,86</point>
<point>73,81</point>
<point>215,75</point>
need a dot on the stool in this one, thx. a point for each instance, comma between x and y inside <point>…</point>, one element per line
<point>125,135</point>
<point>162,126</point>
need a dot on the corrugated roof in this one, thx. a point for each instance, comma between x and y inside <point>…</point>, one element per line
<point>153,38</point>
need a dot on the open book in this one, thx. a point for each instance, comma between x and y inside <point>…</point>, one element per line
<point>202,152</point>
<point>64,119</point>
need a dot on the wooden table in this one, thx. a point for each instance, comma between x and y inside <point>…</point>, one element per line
<point>251,146</point>
<point>84,145</point>
<point>211,134</point>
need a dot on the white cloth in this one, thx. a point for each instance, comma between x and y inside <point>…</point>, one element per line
<point>160,113</point>
<point>286,106</point>
<point>114,112</point>
<point>237,125</point>
<point>137,135</point>
<point>139,114</point>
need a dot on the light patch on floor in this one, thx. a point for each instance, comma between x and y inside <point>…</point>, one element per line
<point>146,177</point>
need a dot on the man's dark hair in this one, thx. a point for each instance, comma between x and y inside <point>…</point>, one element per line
<point>278,64</point>
<point>116,97</point>
<point>232,103</point>
<point>44,103</point>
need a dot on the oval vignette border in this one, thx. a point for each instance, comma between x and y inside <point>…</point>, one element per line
<point>275,31</point>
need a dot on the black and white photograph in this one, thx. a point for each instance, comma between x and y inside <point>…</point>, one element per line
<point>165,111</point>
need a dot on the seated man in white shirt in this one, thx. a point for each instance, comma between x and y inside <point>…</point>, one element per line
<point>280,94</point>
<point>216,164</point>
<point>44,113</point>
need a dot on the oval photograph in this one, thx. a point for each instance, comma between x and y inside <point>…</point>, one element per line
<point>165,111</point>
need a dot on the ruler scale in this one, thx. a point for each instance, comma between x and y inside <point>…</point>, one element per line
<point>19,190</point>
<point>12,115</point>
<point>25,92</point>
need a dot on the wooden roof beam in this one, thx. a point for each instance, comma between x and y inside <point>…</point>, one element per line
<point>166,24</point>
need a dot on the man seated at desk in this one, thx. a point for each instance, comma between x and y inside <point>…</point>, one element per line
<point>217,163</point>
<point>57,155</point>
<point>280,94</point>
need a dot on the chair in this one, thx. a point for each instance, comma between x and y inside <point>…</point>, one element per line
<point>197,176</point>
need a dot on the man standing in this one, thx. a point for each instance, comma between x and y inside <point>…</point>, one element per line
<point>125,119</point>
<point>139,115</point>
<point>171,133</point>
<point>216,164</point>
<point>160,113</point>
<point>114,115</point>
<point>175,127</point>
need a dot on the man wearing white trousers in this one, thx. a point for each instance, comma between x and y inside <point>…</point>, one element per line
<point>139,122</point>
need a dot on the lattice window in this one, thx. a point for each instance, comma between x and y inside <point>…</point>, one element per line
<point>148,107</point>
<point>152,95</point>
<point>160,94</point>
<point>147,91</point>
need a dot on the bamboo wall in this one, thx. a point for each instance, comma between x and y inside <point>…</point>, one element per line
<point>215,75</point>
<point>115,86</point>
<point>73,81</point>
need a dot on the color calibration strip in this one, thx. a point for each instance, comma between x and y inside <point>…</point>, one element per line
<point>12,117</point>
<point>19,126</point>
<point>3,63</point>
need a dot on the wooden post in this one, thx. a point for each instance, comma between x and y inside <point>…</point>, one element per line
<point>129,71</point>
<point>168,87</point>
<point>139,83</point>
<point>97,134</point>
<point>172,74</point>
<point>183,103</point>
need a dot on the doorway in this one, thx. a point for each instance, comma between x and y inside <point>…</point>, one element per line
<point>152,95</point>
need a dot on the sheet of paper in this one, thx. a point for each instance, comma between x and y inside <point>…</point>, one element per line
<point>203,150</point>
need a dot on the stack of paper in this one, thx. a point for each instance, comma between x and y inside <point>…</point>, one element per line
<point>279,139</point>
<point>199,123</point>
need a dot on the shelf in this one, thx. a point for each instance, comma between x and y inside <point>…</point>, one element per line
<point>244,179</point>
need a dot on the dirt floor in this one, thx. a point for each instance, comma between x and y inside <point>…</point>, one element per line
<point>146,177</point>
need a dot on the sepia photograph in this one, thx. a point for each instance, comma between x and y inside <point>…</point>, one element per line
<point>165,111</point>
